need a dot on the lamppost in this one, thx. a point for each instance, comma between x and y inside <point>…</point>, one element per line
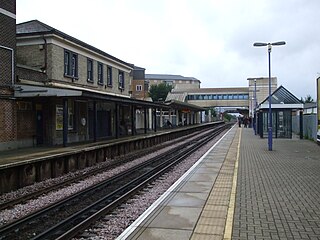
<point>255,107</point>
<point>259,44</point>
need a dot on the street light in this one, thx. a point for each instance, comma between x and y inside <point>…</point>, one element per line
<point>255,107</point>
<point>259,44</point>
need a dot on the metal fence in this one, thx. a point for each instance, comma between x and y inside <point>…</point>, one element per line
<point>309,126</point>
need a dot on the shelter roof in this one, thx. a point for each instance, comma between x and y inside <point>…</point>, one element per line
<point>184,106</point>
<point>63,90</point>
<point>282,96</point>
<point>180,96</point>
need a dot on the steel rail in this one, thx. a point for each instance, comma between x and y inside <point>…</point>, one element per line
<point>15,227</point>
<point>122,159</point>
<point>60,232</point>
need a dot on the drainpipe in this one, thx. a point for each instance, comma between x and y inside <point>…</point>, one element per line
<point>12,63</point>
<point>45,57</point>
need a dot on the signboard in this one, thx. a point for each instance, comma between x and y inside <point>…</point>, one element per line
<point>59,117</point>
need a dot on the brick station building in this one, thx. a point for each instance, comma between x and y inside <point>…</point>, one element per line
<point>8,117</point>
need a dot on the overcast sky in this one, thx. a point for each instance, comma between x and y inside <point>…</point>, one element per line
<point>211,40</point>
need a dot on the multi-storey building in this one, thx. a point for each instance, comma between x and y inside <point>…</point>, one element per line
<point>8,118</point>
<point>139,84</point>
<point>59,75</point>
<point>142,82</point>
<point>69,91</point>
<point>178,82</point>
<point>259,90</point>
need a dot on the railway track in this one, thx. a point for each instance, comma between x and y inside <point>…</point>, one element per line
<point>66,218</point>
<point>88,173</point>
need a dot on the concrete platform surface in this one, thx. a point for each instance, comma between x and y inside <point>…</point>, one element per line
<point>240,190</point>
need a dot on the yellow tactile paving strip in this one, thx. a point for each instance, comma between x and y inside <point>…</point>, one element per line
<point>229,222</point>
<point>216,219</point>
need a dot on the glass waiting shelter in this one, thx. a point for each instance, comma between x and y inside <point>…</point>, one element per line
<point>283,106</point>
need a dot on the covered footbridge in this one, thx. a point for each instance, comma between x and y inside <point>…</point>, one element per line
<point>236,99</point>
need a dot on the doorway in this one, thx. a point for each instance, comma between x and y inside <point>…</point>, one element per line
<point>39,123</point>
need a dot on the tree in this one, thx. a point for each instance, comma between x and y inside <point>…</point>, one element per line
<point>159,92</point>
<point>307,99</point>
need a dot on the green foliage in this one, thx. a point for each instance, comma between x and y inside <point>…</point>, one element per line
<point>159,92</point>
<point>228,116</point>
<point>213,112</point>
<point>307,99</point>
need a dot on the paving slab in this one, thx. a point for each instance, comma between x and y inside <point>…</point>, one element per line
<point>198,204</point>
<point>278,192</point>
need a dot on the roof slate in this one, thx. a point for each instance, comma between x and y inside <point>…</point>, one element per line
<point>282,96</point>
<point>170,77</point>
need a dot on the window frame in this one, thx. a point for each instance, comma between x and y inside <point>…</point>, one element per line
<point>121,80</point>
<point>70,64</point>
<point>109,76</point>
<point>139,88</point>
<point>100,73</point>
<point>89,70</point>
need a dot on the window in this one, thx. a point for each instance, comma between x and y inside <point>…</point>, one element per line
<point>109,76</point>
<point>90,70</point>
<point>170,83</point>
<point>66,63</point>
<point>225,97</point>
<point>70,64</point>
<point>121,80</point>
<point>146,85</point>
<point>138,88</point>
<point>100,73</point>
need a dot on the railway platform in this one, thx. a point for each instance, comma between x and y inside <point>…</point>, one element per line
<point>22,167</point>
<point>240,190</point>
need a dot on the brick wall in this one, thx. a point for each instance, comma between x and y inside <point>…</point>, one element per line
<point>139,94</point>
<point>8,5</point>
<point>8,118</point>
<point>56,72</point>
<point>25,120</point>
<point>32,56</point>
<point>7,39</point>
<point>8,122</point>
<point>5,68</point>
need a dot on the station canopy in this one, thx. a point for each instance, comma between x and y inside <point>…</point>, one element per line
<point>281,98</point>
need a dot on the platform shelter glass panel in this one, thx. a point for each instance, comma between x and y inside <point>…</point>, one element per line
<point>281,124</point>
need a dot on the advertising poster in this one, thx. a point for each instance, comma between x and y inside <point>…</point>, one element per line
<point>59,117</point>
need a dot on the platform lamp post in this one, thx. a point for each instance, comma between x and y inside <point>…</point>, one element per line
<point>259,44</point>
<point>255,107</point>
